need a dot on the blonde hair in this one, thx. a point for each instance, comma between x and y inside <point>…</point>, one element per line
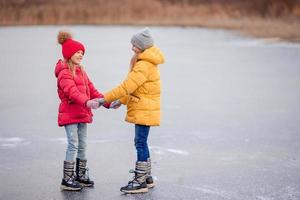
<point>72,67</point>
<point>133,61</point>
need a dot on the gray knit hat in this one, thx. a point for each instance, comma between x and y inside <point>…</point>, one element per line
<point>143,40</point>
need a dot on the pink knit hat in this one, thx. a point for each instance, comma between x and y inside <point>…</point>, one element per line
<point>69,46</point>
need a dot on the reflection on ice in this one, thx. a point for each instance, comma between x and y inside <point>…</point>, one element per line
<point>162,151</point>
<point>12,142</point>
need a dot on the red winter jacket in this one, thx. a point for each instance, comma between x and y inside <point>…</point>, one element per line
<point>74,92</point>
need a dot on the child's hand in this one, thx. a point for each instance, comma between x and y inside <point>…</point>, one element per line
<point>93,104</point>
<point>101,101</point>
<point>115,104</point>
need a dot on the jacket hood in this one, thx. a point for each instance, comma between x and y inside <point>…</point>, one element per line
<point>153,55</point>
<point>60,65</point>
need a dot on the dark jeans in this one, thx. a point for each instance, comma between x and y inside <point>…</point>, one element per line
<point>140,142</point>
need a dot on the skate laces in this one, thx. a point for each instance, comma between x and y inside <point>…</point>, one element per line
<point>86,174</point>
<point>71,178</point>
<point>133,178</point>
<point>137,174</point>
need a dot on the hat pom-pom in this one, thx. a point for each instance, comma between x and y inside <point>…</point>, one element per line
<point>63,36</point>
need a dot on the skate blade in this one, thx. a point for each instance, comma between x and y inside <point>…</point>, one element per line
<point>87,185</point>
<point>62,188</point>
<point>144,190</point>
<point>149,186</point>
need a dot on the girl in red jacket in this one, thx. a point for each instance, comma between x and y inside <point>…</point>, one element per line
<point>77,94</point>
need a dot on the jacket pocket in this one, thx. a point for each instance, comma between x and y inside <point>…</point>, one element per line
<point>134,99</point>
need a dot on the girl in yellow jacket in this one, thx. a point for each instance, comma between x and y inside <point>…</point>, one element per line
<point>140,91</point>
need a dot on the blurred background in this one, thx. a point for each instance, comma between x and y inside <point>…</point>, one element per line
<point>262,18</point>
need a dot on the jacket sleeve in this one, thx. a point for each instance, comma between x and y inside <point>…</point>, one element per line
<point>67,84</point>
<point>95,93</point>
<point>124,100</point>
<point>133,80</point>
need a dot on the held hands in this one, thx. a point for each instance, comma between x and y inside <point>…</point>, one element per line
<point>93,104</point>
<point>115,104</point>
<point>101,101</point>
<point>98,102</point>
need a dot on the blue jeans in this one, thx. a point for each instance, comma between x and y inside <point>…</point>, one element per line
<point>76,134</point>
<point>140,142</point>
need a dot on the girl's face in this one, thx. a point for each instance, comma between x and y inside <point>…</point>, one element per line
<point>136,50</point>
<point>77,57</point>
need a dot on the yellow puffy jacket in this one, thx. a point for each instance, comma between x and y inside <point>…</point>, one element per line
<point>140,91</point>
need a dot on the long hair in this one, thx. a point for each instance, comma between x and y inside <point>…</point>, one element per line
<point>72,67</point>
<point>133,61</point>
